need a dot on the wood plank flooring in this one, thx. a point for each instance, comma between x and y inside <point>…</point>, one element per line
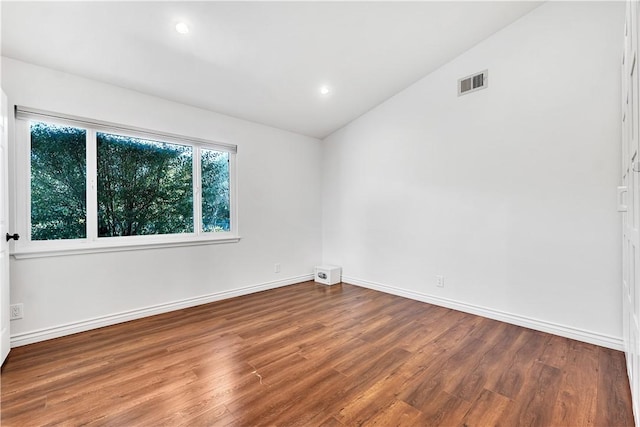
<point>311,355</point>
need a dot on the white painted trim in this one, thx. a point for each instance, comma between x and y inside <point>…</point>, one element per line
<point>590,337</point>
<point>173,241</point>
<point>26,114</point>
<point>31,337</point>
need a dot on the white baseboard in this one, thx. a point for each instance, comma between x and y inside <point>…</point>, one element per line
<point>30,337</point>
<point>590,337</point>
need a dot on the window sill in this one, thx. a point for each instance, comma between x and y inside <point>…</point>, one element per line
<point>94,248</point>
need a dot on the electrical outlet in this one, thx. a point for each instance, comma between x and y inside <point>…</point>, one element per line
<point>276,268</point>
<point>440,281</point>
<point>16,311</point>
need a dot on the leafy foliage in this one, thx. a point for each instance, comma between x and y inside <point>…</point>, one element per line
<point>143,187</point>
<point>58,182</point>
<point>215,190</point>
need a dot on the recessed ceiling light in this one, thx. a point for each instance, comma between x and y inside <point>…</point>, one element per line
<point>182,28</point>
<point>324,90</point>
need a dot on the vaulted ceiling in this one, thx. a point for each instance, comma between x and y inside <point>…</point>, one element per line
<point>260,61</point>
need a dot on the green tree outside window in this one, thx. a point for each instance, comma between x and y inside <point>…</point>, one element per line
<point>144,187</point>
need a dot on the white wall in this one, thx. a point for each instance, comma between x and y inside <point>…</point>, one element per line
<point>508,192</point>
<point>279,215</point>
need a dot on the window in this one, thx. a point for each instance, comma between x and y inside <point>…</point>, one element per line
<point>58,182</point>
<point>144,187</point>
<point>93,186</point>
<point>215,190</point>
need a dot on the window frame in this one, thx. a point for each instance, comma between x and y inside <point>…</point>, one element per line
<point>27,248</point>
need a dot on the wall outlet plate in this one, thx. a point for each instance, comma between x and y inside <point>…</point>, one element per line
<point>16,311</point>
<point>440,281</point>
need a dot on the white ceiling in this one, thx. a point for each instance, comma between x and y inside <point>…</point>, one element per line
<point>260,61</point>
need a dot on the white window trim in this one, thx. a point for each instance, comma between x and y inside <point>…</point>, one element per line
<point>26,248</point>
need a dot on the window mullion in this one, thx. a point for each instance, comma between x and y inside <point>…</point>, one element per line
<point>92,186</point>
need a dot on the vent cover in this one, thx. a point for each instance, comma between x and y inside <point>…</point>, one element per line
<point>473,82</point>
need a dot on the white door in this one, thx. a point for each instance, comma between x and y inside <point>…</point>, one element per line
<point>4,245</point>
<point>630,201</point>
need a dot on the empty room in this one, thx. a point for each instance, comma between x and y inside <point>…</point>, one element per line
<point>319,213</point>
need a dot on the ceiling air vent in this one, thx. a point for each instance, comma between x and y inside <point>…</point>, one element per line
<point>473,82</point>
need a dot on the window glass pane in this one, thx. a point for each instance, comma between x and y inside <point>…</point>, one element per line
<point>58,182</point>
<point>215,190</point>
<point>144,187</point>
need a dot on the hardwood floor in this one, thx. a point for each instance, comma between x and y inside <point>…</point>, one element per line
<point>311,355</point>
